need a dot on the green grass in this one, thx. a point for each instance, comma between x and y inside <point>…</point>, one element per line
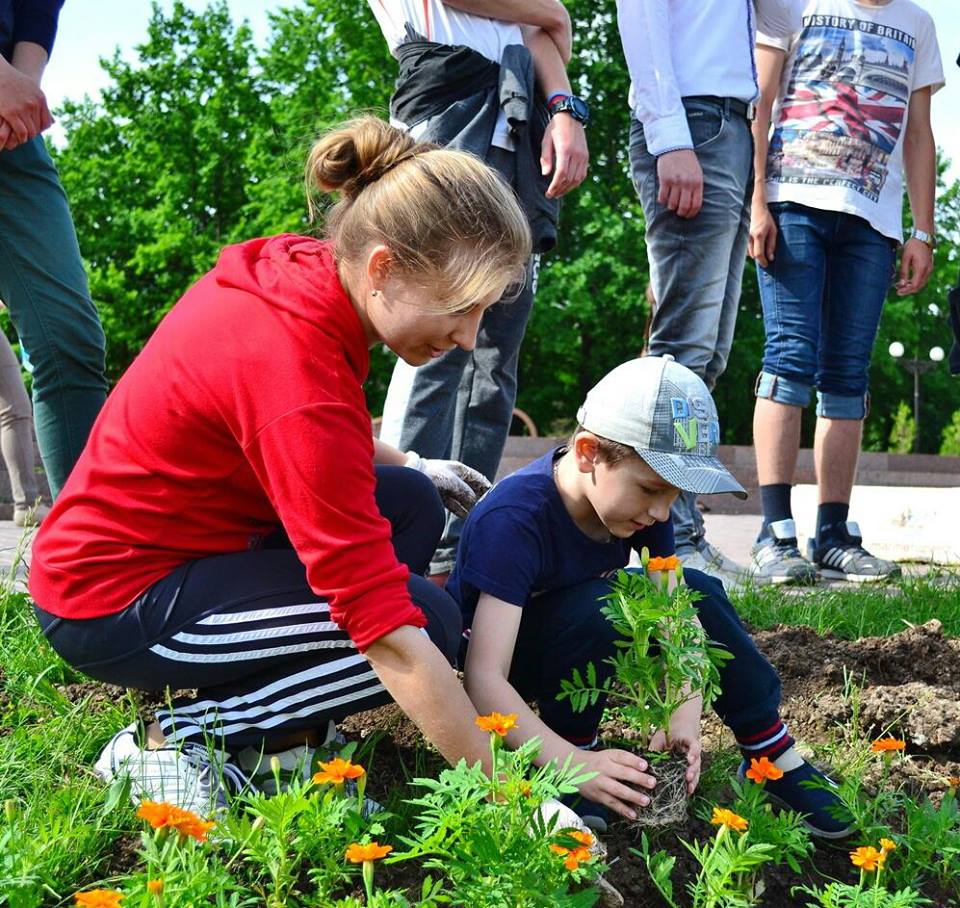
<point>857,611</point>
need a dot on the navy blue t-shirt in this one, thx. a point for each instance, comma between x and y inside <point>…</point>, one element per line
<point>28,20</point>
<point>519,541</point>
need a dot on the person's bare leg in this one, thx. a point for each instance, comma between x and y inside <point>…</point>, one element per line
<point>776,437</point>
<point>836,449</point>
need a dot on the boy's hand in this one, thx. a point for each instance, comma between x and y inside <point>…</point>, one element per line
<point>762,243</point>
<point>564,153</point>
<point>681,182</point>
<point>617,771</point>
<point>459,486</point>
<point>685,741</point>
<point>23,107</point>
<point>916,265</point>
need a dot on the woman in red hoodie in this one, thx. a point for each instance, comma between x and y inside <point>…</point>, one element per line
<point>233,527</point>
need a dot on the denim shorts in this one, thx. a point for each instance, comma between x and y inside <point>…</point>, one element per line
<point>822,298</point>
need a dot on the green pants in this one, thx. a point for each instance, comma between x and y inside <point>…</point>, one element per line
<point>44,286</point>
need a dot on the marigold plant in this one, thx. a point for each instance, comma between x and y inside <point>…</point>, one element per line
<point>99,898</point>
<point>670,563</point>
<point>337,771</point>
<point>497,723</point>
<point>578,854</point>
<point>724,817</point>
<point>763,770</point>
<point>161,815</point>
<point>887,845</point>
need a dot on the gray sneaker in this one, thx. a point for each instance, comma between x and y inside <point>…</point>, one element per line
<point>701,560</point>
<point>845,558</point>
<point>777,559</point>
<point>190,776</point>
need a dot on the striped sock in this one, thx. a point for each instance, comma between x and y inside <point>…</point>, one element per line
<point>771,742</point>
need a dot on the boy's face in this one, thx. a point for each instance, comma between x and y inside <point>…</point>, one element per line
<point>628,496</point>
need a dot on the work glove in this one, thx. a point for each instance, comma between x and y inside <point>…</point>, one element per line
<point>459,485</point>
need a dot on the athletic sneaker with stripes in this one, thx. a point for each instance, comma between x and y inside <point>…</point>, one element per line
<point>190,776</point>
<point>843,557</point>
<point>777,558</point>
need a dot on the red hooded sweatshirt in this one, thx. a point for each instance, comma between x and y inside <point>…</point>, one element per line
<point>244,411</point>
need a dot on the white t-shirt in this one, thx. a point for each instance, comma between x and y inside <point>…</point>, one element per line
<point>841,115</point>
<point>438,22</point>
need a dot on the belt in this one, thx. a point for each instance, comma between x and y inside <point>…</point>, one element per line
<point>728,105</point>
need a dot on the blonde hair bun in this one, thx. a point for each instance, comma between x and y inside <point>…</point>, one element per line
<point>357,153</point>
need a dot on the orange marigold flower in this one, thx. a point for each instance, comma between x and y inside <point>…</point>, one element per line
<point>723,817</point>
<point>884,745</point>
<point>763,770</point>
<point>525,788</point>
<point>371,851</point>
<point>574,857</point>
<point>867,858</point>
<point>497,723</point>
<point>337,771</point>
<point>953,782</point>
<point>169,816</point>
<point>670,563</point>
<point>99,898</point>
<point>155,887</point>
<point>887,845</point>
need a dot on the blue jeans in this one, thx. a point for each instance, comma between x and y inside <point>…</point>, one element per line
<point>460,406</point>
<point>822,298</point>
<point>43,283</point>
<point>696,264</point>
<point>565,630</point>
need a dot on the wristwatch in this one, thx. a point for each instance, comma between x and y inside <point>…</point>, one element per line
<point>571,104</point>
<point>924,237</point>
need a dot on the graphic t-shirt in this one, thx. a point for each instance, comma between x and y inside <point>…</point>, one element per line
<point>841,114</point>
<point>436,21</point>
<point>520,541</point>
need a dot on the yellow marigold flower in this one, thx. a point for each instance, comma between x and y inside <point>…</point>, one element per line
<point>497,723</point>
<point>763,770</point>
<point>723,817</point>
<point>372,851</point>
<point>867,858</point>
<point>525,788</point>
<point>99,898</point>
<point>169,816</point>
<point>155,887</point>
<point>885,745</point>
<point>337,771</point>
<point>887,845</point>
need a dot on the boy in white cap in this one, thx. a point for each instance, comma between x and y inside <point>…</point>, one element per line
<point>535,560</point>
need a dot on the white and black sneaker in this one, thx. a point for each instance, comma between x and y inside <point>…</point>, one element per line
<point>844,558</point>
<point>777,558</point>
<point>190,776</point>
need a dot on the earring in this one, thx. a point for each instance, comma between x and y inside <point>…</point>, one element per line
<point>374,293</point>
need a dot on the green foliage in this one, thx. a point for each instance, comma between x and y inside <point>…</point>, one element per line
<point>842,895</point>
<point>487,836</point>
<point>903,431</point>
<point>663,657</point>
<point>950,440</point>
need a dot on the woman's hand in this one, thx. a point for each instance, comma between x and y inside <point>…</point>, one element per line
<point>617,772</point>
<point>460,486</point>
<point>762,242</point>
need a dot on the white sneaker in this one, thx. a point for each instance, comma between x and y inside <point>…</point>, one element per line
<point>30,517</point>
<point>714,563</point>
<point>191,776</point>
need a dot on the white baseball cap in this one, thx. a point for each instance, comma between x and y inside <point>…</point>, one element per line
<point>666,414</point>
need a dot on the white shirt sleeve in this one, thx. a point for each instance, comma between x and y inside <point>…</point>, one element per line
<point>929,67</point>
<point>779,18</point>
<point>645,35</point>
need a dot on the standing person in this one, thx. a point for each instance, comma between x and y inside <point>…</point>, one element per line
<point>248,537</point>
<point>16,441</point>
<point>42,280</point>
<point>693,84</point>
<point>467,74</point>
<point>850,99</point>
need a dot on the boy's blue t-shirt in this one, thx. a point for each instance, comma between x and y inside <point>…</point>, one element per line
<point>520,541</point>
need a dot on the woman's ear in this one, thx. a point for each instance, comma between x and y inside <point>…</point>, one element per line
<point>379,263</point>
<point>586,447</point>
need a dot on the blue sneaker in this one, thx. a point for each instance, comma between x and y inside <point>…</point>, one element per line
<point>824,814</point>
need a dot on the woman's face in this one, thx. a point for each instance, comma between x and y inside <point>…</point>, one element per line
<point>404,317</point>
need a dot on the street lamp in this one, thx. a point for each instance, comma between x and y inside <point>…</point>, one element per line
<point>916,367</point>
